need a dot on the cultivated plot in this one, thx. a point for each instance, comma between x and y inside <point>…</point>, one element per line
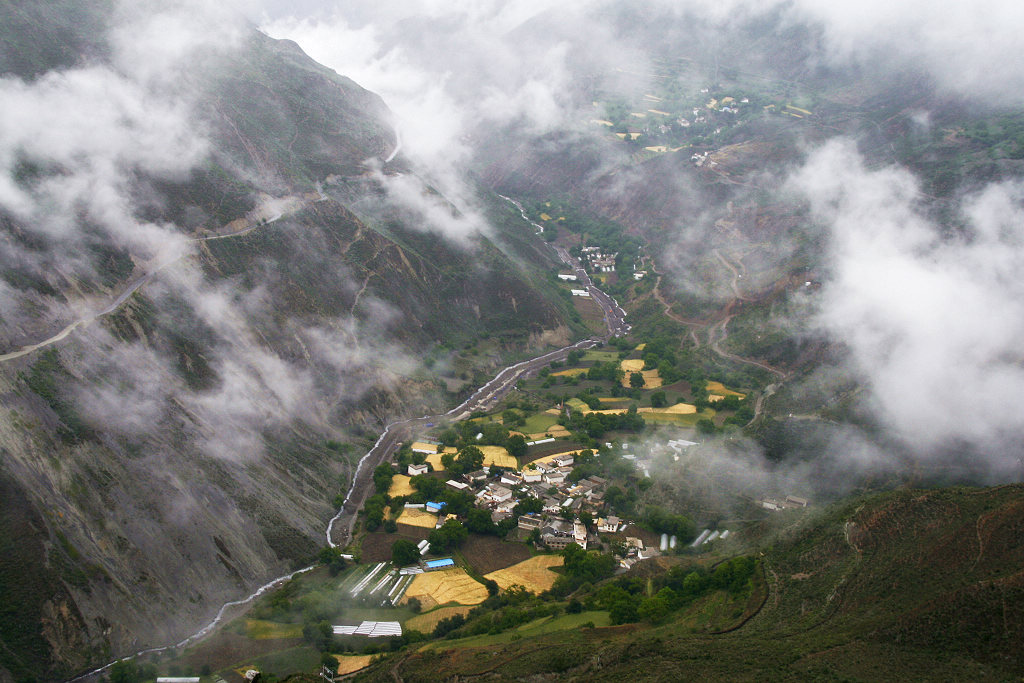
<point>425,623</point>
<point>534,574</point>
<point>446,586</point>
<point>400,486</point>
<point>417,517</point>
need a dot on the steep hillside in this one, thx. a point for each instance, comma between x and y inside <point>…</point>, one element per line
<point>923,585</point>
<point>218,340</point>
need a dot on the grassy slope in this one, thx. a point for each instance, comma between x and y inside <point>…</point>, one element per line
<point>910,584</point>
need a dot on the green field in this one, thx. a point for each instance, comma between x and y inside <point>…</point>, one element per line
<point>538,423</point>
<point>603,356</point>
<point>537,627</point>
<point>261,629</point>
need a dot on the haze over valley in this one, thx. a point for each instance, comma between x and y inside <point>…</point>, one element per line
<point>659,339</point>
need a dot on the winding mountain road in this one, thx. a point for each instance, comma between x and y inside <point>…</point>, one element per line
<point>251,224</point>
<point>339,528</point>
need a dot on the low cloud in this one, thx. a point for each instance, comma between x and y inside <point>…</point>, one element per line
<point>932,320</point>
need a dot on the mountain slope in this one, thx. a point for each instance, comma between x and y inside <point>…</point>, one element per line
<point>923,585</point>
<point>241,338</point>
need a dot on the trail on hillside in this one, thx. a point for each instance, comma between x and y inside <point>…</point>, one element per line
<point>339,528</point>
<point>252,222</point>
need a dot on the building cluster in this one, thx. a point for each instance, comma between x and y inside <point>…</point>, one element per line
<point>787,503</point>
<point>549,482</point>
<point>599,261</point>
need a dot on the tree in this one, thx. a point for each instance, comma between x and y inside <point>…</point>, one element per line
<point>449,437</point>
<point>332,559</point>
<point>450,535</point>
<point>706,426</point>
<point>382,476</point>
<point>470,459</point>
<point>656,608</point>
<point>516,446</point>
<point>448,462</point>
<point>404,552</point>
<point>658,399</point>
<point>329,661</point>
<point>479,522</point>
<point>636,380</point>
<point>429,486</point>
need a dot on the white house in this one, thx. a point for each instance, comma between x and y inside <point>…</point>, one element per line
<point>498,493</point>
<point>567,276</point>
<point>511,479</point>
<point>579,292</point>
<point>418,469</point>
<point>554,477</point>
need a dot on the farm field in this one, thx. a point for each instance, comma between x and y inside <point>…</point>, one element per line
<point>445,586</point>
<point>425,623</point>
<point>259,629</point>
<point>400,486</point>
<point>652,380</point>
<point>376,546</point>
<point>570,372</point>
<point>498,455</point>
<point>721,389</point>
<point>680,419</point>
<point>534,628</point>
<point>602,356</point>
<point>418,518</point>
<point>534,574</point>
<point>435,461</point>
<point>349,664</point>
<point>632,365</point>
<point>488,553</point>
<point>541,422</point>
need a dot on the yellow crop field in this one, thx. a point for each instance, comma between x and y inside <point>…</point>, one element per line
<point>418,517</point>
<point>533,574</point>
<point>632,365</point>
<point>659,112</point>
<point>349,664</point>
<point>722,390</point>
<point>497,455</point>
<point>677,409</point>
<point>570,372</point>
<point>441,587</point>
<point>400,486</point>
<point>652,380</point>
<point>425,623</point>
<point>555,431</point>
<point>422,446</point>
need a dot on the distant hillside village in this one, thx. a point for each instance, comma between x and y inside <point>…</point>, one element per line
<point>552,501</point>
